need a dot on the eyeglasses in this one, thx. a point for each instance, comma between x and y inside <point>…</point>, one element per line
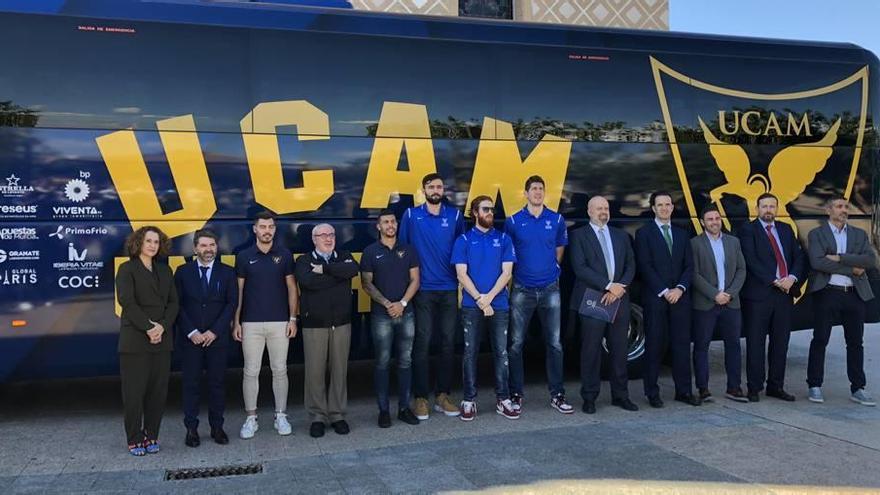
<point>327,235</point>
<point>487,209</point>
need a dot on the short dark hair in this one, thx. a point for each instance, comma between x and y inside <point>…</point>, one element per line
<point>385,213</point>
<point>657,194</point>
<point>431,177</point>
<point>135,241</point>
<point>533,179</point>
<point>475,204</point>
<point>264,215</point>
<point>835,197</point>
<point>708,209</point>
<point>767,195</point>
<point>204,233</point>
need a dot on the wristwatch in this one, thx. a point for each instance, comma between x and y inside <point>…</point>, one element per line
<point>403,302</point>
<point>293,318</point>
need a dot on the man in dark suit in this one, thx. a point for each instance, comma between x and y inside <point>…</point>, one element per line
<point>839,254</point>
<point>602,259</point>
<point>775,263</point>
<point>208,295</point>
<point>719,274</point>
<point>666,266</point>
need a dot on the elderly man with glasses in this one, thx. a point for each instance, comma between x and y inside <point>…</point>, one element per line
<point>324,277</point>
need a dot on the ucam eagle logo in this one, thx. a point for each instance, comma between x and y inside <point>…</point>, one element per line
<point>778,143</point>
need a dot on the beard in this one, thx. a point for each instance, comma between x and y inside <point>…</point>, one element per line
<point>486,222</point>
<point>434,199</point>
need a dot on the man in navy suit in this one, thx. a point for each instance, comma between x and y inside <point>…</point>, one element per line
<point>775,263</point>
<point>602,259</point>
<point>208,294</point>
<point>666,265</point>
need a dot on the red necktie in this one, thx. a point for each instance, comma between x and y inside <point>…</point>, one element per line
<point>780,261</point>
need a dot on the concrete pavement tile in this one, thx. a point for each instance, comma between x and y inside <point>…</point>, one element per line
<point>435,478</point>
<point>364,485</point>
<point>77,481</point>
<point>33,484</point>
<point>325,487</point>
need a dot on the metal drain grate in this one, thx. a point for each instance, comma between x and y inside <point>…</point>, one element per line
<point>212,472</point>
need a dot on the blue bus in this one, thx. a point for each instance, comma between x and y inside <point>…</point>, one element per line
<point>183,114</point>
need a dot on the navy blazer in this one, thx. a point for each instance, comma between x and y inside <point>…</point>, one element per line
<point>588,262</point>
<point>200,312</point>
<point>658,268</point>
<point>761,262</point>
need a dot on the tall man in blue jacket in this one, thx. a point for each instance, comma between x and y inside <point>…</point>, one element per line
<point>666,265</point>
<point>208,294</point>
<point>775,263</point>
<point>432,229</point>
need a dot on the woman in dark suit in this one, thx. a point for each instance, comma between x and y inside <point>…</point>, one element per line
<point>146,292</point>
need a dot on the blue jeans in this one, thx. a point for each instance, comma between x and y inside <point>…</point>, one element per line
<point>523,303</point>
<point>385,331</point>
<point>473,321</point>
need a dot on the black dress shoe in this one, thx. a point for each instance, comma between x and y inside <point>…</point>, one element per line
<point>384,419</point>
<point>705,395</point>
<point>192,438</point>
<point>689,399</point>
<point>316,430</point>
<point>406,415</point>
<point>589,407</point>
<point>340,427</point>
<point>624,404</point>
<point>780,394</point>
<point>655,401</point>
<point>754,396</point>
<point>219,436</point>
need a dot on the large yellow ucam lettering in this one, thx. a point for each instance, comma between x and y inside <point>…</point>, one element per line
<point>128,171</point>
<point>500,169</point>
<point>258,130</point>
<point>401,126</point>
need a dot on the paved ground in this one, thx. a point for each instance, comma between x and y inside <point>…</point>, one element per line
<point>68,438</point>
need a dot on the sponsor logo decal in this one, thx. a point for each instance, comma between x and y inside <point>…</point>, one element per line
<point>76,261</point>
<point>19,255</point>
<point>77,190</point>
<point>18,234</point>
<point>13,188</point>
<point>18,276</point>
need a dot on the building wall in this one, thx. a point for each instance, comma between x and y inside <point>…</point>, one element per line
<point>430,7</point>
<point>635,14</point>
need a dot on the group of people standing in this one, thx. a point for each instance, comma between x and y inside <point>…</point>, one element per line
<point>690,287</point>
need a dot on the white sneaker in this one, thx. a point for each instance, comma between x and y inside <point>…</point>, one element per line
<point>249,427</point>
<point>862,398</point>
<point>281,424</point>
<point>815,395</point>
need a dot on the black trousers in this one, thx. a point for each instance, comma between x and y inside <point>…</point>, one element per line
<point>144,378</point>
<point>212,360</point>
<point>615,335</point>
<point>848,308</point>
<point>768,318</point>
<point>436,318</point>
<point>728,321</point>
<point>667,326</point>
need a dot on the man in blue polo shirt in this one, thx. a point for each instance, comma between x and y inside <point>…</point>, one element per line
<point>390,275</point>
<point>539,236</point>
<point>484,259</point>
<point>265,319</point>
<point>432,229</point>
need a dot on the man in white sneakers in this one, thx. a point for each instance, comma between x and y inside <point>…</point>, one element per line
<point>265,319</point>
